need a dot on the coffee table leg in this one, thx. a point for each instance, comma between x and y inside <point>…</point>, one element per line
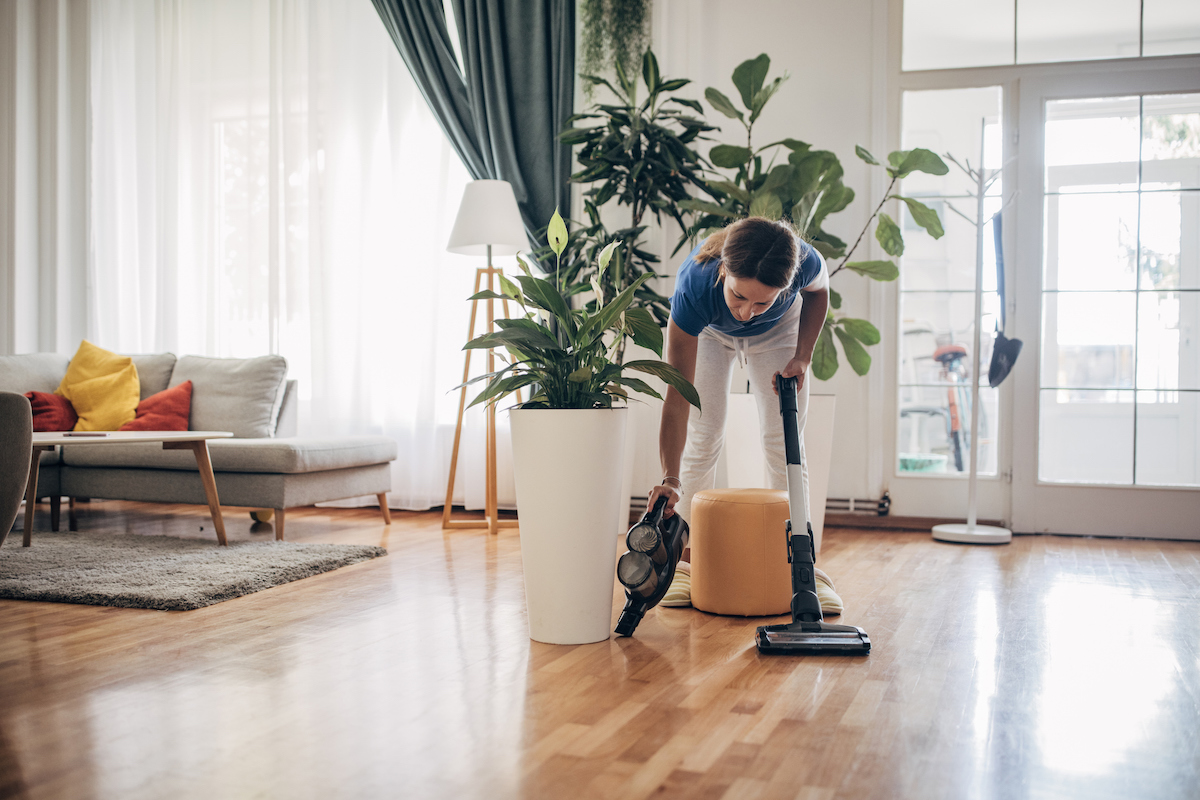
<point>35,464</point>
<point>203,463</point>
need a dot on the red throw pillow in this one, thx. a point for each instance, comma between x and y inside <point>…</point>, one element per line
<point>51,412</point>
<point>166,411</point>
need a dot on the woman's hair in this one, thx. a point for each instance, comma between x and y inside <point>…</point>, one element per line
<point>766,250</point>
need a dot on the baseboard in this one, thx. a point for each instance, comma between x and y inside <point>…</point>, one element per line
<point>834,519</point>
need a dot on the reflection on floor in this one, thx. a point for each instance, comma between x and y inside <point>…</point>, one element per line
<point>1051,667</point>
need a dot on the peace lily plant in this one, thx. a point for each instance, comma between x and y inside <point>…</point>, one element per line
<point>569,356</point>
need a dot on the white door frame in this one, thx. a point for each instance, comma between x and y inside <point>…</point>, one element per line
<point>1038,507</point>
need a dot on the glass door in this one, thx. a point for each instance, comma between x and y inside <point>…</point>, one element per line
<point>1108,411</point>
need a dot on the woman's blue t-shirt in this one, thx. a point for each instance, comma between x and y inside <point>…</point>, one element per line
<point>699,299</point>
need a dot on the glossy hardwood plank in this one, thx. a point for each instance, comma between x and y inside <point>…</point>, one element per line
<point>1051,667</point>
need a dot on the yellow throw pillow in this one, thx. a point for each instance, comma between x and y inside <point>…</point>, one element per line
<point>90,362</point>
<point>107,402</point>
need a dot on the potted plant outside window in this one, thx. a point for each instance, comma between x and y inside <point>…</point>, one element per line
<point>568,438</point>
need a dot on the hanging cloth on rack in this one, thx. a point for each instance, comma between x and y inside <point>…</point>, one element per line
<point>1004,350</point>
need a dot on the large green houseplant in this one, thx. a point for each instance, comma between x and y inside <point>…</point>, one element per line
<point>569,439</point>
<point>641,153</point>
<point>789,179</point>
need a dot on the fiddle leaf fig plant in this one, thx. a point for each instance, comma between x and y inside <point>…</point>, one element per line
<point>573,365</point>
<point>789,180</point>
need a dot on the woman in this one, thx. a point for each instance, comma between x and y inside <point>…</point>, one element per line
<point>758,293</point>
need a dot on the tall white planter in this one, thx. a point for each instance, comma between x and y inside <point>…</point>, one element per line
<point>568,467</point>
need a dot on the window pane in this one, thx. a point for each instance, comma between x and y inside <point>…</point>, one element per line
<point>949,121</point>
<point>1093,131</point>
<point>1087,439</point>
<point>940,34</point>
<point>1167,432</point>
<point>1077,30</point>
<point>1168,355</point>
<point>935,430</point>
<point>1171,141</point>
<point>1091,240</point>
<point>1170,238</point>
<point>1170,27</point>
<point>938,334</point>
<point>948,262</point>
<point>1088,340</point>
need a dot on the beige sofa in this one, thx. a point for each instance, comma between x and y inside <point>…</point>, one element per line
<point>264,466</point>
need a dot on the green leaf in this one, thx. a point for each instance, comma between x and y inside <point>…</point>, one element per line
<point>825,360</point>
<point>606,318</point>
<point>517,337</point>
<point>729,156</point>
<point>511,289</point>
<point>860,359</point>
<point>763,95</point>
<point>835,199</point>
<point>766,205</point>
<point>502,386</point>
<point>524,267</point>
<point>835,299</point>
<point>673,377</point>
<point>860,329</point>
<point>733,190</point>
<point>748,77</point>
<point>543,294</point>
<point>683,101</point>
<point>906,162</point>
<point>576,135</point>
<point>924,216</point>
<point>679,83</point>
<point>556,233</point>
<point>650,71</point>
<point>488,294</point>
<point>645,329</point>
<point>876,270</point>
<point>580,375</point>
<point>638,385</point>
<point>862,153</point>
<point>722,103</point>
<point>888,234</point>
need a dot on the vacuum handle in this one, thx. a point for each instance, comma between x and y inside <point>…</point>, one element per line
<point>788,409</point>
<point>653,516</point>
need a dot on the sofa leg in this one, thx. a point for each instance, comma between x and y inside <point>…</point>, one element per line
<point>55,511</point>
<point>383,506</point>
<point>72,521</point>
<point>279,524</point>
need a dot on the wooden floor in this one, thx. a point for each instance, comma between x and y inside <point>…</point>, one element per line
<point>1049,668</point>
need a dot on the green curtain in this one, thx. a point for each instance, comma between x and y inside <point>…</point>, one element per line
<point>504,115</point>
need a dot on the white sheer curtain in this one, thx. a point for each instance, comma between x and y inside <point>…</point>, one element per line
<point>266,177</point>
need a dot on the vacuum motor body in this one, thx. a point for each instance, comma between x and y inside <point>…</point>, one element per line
<point>647,570</point>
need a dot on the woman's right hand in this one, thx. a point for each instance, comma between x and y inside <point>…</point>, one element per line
<point>661,490</point>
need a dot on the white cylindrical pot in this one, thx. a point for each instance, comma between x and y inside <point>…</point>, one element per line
<point>567,464</point>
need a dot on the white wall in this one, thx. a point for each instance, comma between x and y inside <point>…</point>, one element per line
<point>834,100</point>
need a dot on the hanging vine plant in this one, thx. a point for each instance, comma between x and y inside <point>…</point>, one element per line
<point>613,32</point>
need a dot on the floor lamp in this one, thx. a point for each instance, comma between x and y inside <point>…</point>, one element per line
<point>488,223</point>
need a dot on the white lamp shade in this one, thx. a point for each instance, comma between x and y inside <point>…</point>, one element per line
<point>488,215</point>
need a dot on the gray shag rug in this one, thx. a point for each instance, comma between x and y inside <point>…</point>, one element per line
<point>160,572</point>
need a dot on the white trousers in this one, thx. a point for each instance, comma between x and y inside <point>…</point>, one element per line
<point>764,355</point>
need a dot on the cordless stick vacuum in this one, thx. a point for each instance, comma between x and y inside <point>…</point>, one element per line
<point>646,571</point>
<point>807,633</point>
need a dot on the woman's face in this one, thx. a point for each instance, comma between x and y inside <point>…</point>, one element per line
<point>747,298</point>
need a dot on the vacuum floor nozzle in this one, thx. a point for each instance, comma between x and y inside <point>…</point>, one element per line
<point>812,638</point>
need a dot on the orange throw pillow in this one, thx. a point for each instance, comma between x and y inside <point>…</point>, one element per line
<point>51,412</point>
<point>166,411</point>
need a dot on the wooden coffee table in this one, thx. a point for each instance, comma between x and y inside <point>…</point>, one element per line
<point>196,441</point>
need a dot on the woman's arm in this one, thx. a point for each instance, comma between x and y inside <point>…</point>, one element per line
<point>812,319</point>
<point>672,431</point>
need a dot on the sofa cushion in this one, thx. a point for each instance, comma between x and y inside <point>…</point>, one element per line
<point>106,402</point>
<point>33,372</point>
<point>90,362</point>
<point>154,372</point>
<point>166,411</point>
<point>51,412</point>
<point>240,395</point>
<point>297,455</point>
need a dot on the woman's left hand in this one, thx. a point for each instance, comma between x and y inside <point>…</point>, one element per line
<point>796,368</point>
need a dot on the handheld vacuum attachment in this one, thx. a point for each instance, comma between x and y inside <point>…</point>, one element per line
<point>646,571</point>
<point>807,633</point>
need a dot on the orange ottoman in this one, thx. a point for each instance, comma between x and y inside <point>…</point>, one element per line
<point>739,552</point>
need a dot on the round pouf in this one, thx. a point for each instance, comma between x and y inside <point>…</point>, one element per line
<point>739,552</point>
